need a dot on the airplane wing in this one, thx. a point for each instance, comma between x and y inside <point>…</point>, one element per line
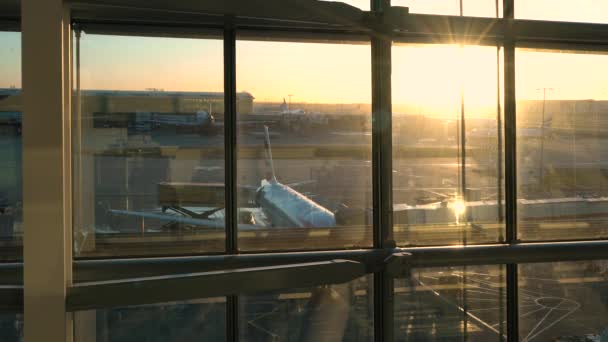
<point>301,183</point>
<point>200,194</point>
<point>203,223</point>
<point>175,123</point>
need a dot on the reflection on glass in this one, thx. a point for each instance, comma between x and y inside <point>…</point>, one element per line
<point>11,218</point>
<point>451,304</point>
<point>470,8</point>
<point>589,11</point>
<point>200,320</point>
<point>562,157</point>
<point>563,301</point>
<point>446,187</point>
<point>148,148</point>
<point>304,147</point>
<point>341,312</point>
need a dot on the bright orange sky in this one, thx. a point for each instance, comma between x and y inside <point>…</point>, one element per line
<point>424,76</point>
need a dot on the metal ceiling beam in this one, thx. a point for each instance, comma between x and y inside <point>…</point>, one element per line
<point>304,11</point>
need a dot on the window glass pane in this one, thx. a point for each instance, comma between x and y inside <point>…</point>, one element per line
<point>327,313</point>
<point>11,327</point>
<point>314,100</point>
<point>439,92</point>
<point>589,11</point>
<point>563,301</point>
<point>562,151</point>
<point>148,148</point>
<point>11,228</point>
<point>451,304</point>
<point>197,320</point>
<point>470,8</point>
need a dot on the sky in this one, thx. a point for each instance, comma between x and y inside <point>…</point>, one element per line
<point>424,76</point>
<point>10,59</point>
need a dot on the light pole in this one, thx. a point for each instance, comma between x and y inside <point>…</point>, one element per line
<point>289,116</point>
<point>542,136</point>
<point>289,104</point>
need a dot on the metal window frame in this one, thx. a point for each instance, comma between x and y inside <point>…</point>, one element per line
<point>435,29</point>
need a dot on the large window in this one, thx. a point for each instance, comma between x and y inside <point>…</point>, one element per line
<point>452,303</point>
<point>184,321</point>
<point>149,152</point>
<point>338,312</point>
<point>11,218</point>
<point>566,299</point>
<point>447,161</point>
<point>304,147</point>
<point>11,208</point>
<point>308,171</point>
<point>561,152</point>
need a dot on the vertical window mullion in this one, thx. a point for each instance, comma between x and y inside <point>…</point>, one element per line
<point>232,306</point>
<point>510,168</point>
<point>382,174</point>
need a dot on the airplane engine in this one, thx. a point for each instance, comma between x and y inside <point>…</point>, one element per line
<point>352,225</point>
<point>346,216</point>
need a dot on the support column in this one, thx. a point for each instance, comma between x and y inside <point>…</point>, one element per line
<point>47,190</point>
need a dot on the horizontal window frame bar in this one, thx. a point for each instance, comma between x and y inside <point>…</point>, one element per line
<point>150,30</point>
<point>400,261</point>
<point>517,253</point>
<point>373,260</point>
<point>525,252</point>
<point>426,28</point>
<point>418,27</point>
<point>558,31</point>
<point>110,269</point>
<point>248,31</point>
<point>151,290</point>
<point>563,47</point>
<point>421,29</point>
<point>9,23</point>
<point>10,9</point>
<point>453,26</point>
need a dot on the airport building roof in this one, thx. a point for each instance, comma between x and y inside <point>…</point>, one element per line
<point>149,93</point>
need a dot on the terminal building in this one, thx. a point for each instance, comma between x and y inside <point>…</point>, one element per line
<point>118,101</point>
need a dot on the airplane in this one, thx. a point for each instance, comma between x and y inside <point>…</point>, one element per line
<point>281,204</point>
<point>200,121</point>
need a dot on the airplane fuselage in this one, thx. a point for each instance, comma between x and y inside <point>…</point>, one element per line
<point>286,207</point>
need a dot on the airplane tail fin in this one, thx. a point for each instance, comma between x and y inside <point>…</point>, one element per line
<point>269,162</point>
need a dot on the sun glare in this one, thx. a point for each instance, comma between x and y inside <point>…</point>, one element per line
<point>433,78</point>
<point>459,208</point>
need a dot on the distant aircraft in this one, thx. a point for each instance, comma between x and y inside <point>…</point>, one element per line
<point>201,121</point>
